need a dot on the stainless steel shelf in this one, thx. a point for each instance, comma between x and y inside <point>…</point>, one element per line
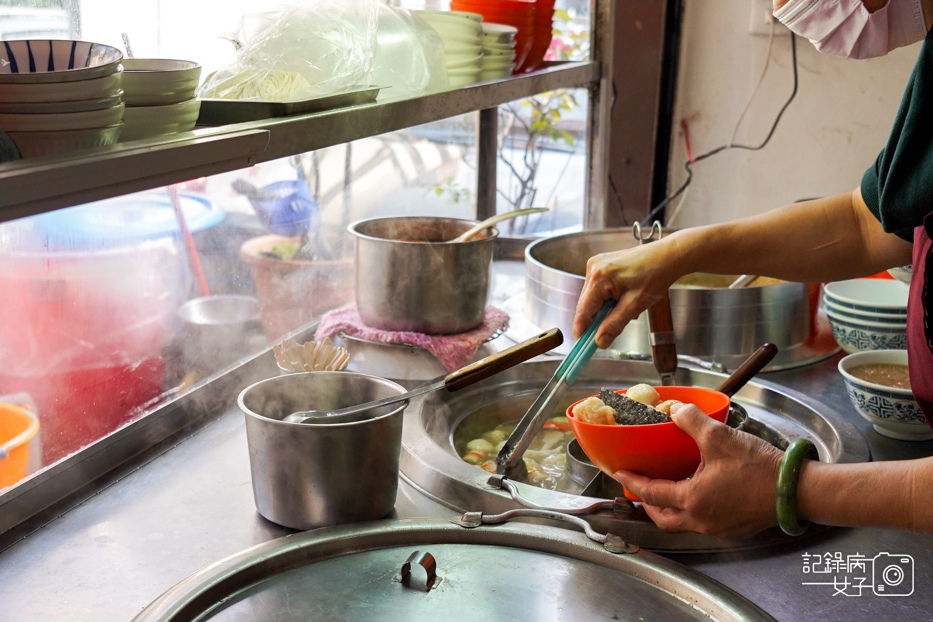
<point>33,186</point>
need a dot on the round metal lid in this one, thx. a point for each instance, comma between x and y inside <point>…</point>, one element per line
<point>514,571</point>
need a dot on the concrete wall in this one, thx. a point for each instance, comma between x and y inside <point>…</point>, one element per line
<point>827,138</point>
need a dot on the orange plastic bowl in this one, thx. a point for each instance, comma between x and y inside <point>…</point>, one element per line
<point>660,450</point>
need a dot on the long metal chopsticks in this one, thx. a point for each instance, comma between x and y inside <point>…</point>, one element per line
<point>509,460</point>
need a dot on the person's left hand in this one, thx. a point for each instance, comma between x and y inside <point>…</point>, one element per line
<point>732,493</point>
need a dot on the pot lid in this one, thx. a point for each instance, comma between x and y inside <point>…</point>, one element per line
<point>428,569</point>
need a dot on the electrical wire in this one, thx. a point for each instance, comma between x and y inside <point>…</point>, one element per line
<point>691,160</point>
<point>761,78</point>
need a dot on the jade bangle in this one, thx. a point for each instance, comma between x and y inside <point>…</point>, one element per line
<point>787,487</point>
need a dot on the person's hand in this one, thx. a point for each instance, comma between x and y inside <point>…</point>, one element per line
<point>732,493</point>
<point>636,278</point>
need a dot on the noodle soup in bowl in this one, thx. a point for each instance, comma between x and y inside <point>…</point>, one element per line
<point>659,450</point>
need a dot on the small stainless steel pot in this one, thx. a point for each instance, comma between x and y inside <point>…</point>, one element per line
<point>313,475</point>
<point>408,278</point>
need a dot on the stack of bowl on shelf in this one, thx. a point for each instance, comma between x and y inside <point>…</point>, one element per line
<point>498,51</point>
<point>159,97</point>
<point>463,48</point>
<point>867,314</point>
<point>60,95</point>
<point>531,18</point>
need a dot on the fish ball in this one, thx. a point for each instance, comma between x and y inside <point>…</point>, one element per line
<point>644,393</point>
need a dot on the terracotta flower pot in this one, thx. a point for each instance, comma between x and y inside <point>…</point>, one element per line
<point>294,293</point>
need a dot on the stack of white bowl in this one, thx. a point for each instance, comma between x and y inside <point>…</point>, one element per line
<point>463,48</point>
<point>60,95</point>
<point>159,96</point>
<point>867,314</point>
<point>498,51</point>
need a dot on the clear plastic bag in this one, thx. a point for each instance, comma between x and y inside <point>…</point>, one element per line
<point>310,49</point>
<point>409,55</point>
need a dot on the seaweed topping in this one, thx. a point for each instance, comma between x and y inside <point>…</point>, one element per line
<point>630,412</point>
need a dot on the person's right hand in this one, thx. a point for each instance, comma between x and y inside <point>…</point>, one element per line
<point>636,278</point>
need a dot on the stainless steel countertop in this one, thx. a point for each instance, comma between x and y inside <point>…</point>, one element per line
<point>176,512</point>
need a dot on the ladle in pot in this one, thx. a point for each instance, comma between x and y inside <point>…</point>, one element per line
<point>459,379</point>
<point>492,220</point>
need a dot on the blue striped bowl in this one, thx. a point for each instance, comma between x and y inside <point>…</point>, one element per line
<point>32,61</point>
<point>892,412</point>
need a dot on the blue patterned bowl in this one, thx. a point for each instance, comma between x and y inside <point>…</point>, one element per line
<point>32,61</point>
<point>892,412</point>
<point>855,335</point>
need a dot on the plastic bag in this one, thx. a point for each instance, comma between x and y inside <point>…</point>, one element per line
<point>313,48</point>
<point>409,55</point>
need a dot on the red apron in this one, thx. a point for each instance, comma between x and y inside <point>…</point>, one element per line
<point>920,319</point>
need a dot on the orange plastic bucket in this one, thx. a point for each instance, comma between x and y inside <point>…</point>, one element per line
<point>17,427</point>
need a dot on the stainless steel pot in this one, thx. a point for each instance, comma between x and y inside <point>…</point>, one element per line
<point>408,278</point>
<point>313,475</point>
<point>708,321</point>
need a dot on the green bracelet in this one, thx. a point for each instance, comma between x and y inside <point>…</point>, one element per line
<point>787,486</point>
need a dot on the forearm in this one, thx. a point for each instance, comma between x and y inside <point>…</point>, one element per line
<point>827,239</point>
<point>896,494</point>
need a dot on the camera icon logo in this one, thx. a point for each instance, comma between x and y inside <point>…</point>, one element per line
<point>893,575</point>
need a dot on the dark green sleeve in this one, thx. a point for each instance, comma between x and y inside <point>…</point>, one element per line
<point>898,188</point>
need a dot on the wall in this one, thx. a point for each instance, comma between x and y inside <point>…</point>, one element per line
<point>827,138</point>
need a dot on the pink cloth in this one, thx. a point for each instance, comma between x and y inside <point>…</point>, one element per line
<point>453,351</point>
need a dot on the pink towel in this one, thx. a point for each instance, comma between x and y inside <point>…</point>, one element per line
<point>453,351</point>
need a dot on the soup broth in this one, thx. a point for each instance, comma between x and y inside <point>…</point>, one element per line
<point>887,374</point>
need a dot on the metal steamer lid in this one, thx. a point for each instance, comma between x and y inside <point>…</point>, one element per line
<point>423,569</point>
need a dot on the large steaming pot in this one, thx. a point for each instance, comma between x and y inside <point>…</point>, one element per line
<point>707,321</point>
<point>409,277</point>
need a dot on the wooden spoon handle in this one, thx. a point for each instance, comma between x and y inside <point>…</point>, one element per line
<point>492,220</point>
<point>747,370</point>
<point>500,361</point>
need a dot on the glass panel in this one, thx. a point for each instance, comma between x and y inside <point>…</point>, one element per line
<point>117,306</point>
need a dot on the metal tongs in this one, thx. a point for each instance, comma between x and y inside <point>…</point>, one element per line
<point>660,321</point>
<point>509,461</point>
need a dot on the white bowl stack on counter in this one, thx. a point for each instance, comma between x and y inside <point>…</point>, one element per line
<point>159,96</point>
<point>867,314</point>
<point>60,95</point>
<point>498,51</point>
<point>463,47</point>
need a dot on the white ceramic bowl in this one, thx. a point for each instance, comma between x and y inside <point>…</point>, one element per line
<point>35,144</point>
<point>464,64</point>
<point>494,74</point>
<point>149,121</point>
<point>85,105</point>
<point>464,28</point>
<point>502,33</point>
<point>452,48</point>
<point>499,53</point>
<point>464,39</point>
<point>864,316</point>
<point>449,16</point>
<point>159,81</point>
<point>56,122</point>
<point>496,62</point>
<point>462,80</point>
<point>902,273</point>
<point>33,61</point>
<point>874,295</point>
<point>856,336</point>
<point>98,88</point>
<point>464,71</point>
<point>498,47</point>
<point>892,412</point>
